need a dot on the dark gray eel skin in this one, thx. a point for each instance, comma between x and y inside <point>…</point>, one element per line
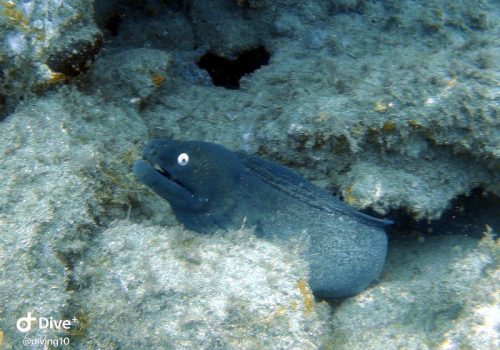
<point>211,188</point>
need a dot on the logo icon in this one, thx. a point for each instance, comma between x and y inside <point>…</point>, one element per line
<point>23,324</point>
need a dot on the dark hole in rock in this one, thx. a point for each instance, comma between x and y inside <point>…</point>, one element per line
<point>227,73</point>
<point>3,109</point>
<point>467,215</point>
<point>112,23</point>
<point>75,57</point>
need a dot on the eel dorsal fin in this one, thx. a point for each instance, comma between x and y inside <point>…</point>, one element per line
<point>294,185</point>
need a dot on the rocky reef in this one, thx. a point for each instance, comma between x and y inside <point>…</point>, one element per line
<point>393,105</point>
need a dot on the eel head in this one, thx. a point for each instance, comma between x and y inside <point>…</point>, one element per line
<point>190,175</point>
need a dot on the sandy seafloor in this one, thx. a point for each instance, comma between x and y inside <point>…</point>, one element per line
<point>392,105</point>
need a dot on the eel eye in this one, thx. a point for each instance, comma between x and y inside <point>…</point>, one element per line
<point>183,159</point>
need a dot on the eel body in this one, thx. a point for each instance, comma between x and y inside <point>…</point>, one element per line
<point>211,188</point>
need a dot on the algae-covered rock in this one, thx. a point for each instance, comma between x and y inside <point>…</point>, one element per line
<point>42,43</point>
<point>131,76</point>
<point>55,193</point>
<point>170,288</point>
<point>436,293</point>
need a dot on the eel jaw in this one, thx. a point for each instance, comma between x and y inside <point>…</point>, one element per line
<point>166,186</point>
<point>168,175</point>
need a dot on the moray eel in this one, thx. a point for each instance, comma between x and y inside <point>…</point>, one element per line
<point>211,188</point>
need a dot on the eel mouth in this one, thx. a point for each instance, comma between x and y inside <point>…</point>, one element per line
<point>163,172</point>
